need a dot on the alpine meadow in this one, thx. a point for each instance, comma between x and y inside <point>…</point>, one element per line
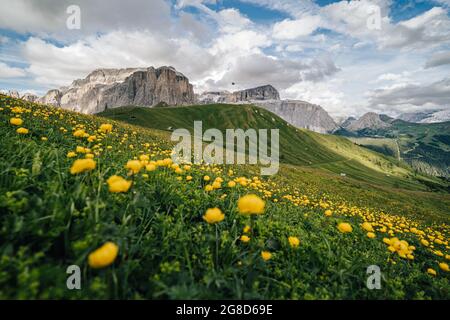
<point>205,158</point>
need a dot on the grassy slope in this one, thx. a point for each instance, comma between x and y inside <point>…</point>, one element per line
<point>297,146</point>
<point>50,219</point>
<point>419,144</point>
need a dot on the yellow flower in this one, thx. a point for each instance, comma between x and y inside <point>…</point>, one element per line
<point>444,267</point>
<point>425,242</point>
<point>44,138</point>
<point>188,178</point>
<point>150,167</point>
<point>294,242</point>
<point>103,256</point>
<point>82,165</point>
<point>206,178</point>
<point>105,128</point>
<point>22,130</point>
<point>134,165</point>
<point>251,204</point>
<point>245,238</point>
<point>79,133</point>
<point>345,227</point>
<point>213,215</point>
<point>266,255</point>
<point>367,226</point>
<point>246,229</point>
<point>328,213</point>
<point>71,154</point>
<point>80,149</point>
<point>209,187</point>
<point>178,171</point>
<point>216,185</point>
<point>91,138</point>
<point>118,184</point>
<point>371,235</point>
<point>89,156</point>
<point>16,121</point>
<point>431,271</point>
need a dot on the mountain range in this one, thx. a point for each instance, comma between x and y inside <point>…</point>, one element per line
<point>148,87</point>
<point>421,139</point>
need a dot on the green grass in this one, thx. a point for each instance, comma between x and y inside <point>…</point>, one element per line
<point>50,219</point>
<point>425,146</point>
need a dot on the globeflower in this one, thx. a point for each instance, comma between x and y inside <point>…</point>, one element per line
<point>328,213</point>
<point>105,128</point>
<point>266,255</point>
<point>134,165</point>
<point>371,235</point>
<point>82,165</point>
<point>103,256</point>
<point>345,227</point>
<point>431,271</point>
<point>244,238</point>
<point>444,267</point>
<point>213,215</point>
<point>22,130</point>
<point>367,226</point>
<point>118,184</point>
<point>231,184</point>
<point>80,133</point>
<point>251,204</point>
<point>150,167</point>
<point>16,121</point>
<point>294,242</point>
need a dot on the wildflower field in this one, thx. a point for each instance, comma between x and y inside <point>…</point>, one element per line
<point>105,195</point>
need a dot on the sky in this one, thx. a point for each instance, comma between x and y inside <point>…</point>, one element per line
<point>350,57</point>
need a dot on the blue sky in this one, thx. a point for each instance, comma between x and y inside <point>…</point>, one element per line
<point>348,56</point>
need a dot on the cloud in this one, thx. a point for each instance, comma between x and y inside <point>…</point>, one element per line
<point>258,69</point>
<point>49,17</point>
<point>10,72</point>
<point>292,29</point>
<point>323,94</point>
<point>56,66</point>
<point>293,8</point>
<point>438,59</point>
<point>427,30</point>
<point>403,96</point>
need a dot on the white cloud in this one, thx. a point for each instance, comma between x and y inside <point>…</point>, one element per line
<point>49,17</point>
<point>10,72</point>
<point>438,59</point>
<point>401,97</point>
<point>292,29</point>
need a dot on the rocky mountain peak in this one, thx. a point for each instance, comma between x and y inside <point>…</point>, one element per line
<point>369,120</point>
<point>267,92</point>
<point>110,88</point>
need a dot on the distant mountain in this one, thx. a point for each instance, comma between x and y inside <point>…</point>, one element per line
<point>298,113</point>
<point>110,88</point>
<point>424,146</point>
<point>266,92</point>
<point>369,120</point>
<point>347,122</point>
<point>430,116</point>
<point>301,114</point>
